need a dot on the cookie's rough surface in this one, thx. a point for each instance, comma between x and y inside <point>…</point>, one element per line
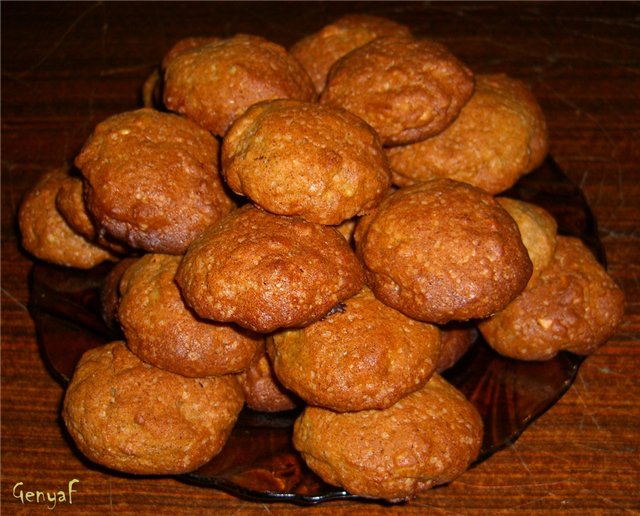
<point>296,158</point>
<point>133,417</point>
<point>164,332</point>
<point>215,83</point>
<point>574,306</point>
<point>428,438</point>
<point>442,251</point>
<point>319,51</point>
<point>363,355</point>
<point>499,136</point>
<point>406,89</point>
<point>153,179</point>
<point>265,271</point>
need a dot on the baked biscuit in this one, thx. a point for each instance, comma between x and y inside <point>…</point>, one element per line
<point>215,83</point>
<point>133,417</point>
<point>45,233</point>
<point>442,251</point>
<point>538,230</point>
<point>110,293</point>
<point>363,355</point>
<point>163,332</point>
<point>153,180</point>
<point>406,89</point>
<point>428,438</point>
<point>262,389</point>
<point>575,306</point>
<point>499,136</point>
<point>456,340</point>
<point>265,271</point>
<point>297,158</point>
<point>318,51</point>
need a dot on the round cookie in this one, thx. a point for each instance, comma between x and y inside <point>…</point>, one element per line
<point>215,83</point>
<point>45,233</point>
<point>153,180</point>
<point>163,332</point>
<point>262,389</point>
<point>297,158</point>
<point>406,89</point>
<point>500,135</point>
<point>363,355</point>
<point>538,230</point>
<point>442,251</point>
<point>575,306</point>
<point>133,417</point>
<point>456,340</point>
<point>265,271</point>
<point>428,438</point>
<point>318,51</point>
<point>110,293</point>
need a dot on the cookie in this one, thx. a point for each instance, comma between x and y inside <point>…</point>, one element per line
<point>406,89</point>
<point>441,251</point>
<point>215,83</point>
<point>538,229</point>
<point>110,293</point>
<point>363,355</point>
<point>152,180</point>
<point>301,159</point>
<point>265,271</point>
<point>318,51</point>
<point>575,306</point>
<point>135,418</point>
<point>262,389</point>
<point>456,340</point>
<point>428,438</point>
<point>162,331</point>
<point>45,233</point>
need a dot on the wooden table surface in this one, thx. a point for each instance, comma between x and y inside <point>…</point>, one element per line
<point>66,66</point>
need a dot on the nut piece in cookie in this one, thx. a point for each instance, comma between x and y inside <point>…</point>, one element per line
<point>364,355</point>
<point>406,89</point>
<point>296,158</point>
<point>152,179</point>
<point>318,51</point>
<point>265,271</point>
<point>574,305</point>
<point>130,416</point>
<point>47,235</point>
<point>538,230</point>
<point>428,438</point>
<point>215,83</point>
<point>442,251</point>
<point>499,136</point>
<point>164,332</point>
<point>262,389</point>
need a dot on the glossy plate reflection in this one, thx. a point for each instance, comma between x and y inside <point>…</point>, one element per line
<point>259,462</point>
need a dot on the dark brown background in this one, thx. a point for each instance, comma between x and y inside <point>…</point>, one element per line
<point>66,66</point>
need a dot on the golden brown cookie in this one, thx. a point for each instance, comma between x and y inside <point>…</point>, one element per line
<point>153,180</point>
<point>110,293</point>
<point>164,332</point>
<point>406,89</point>
<point>318,51</point>
<point>129,416</point>
<point>442,251</point>
<point>456,340</point>
<point>296,158</point>
<point>363,355</point>
<point>538,230</point>
<point>428,438</point>
<point>499,136</point>
<point>45,233</point>
<point>262,389</point>
<point>215,83</point>
<point>575,306</point>
<point>265,271</point>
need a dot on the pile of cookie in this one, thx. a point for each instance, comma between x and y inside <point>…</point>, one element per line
<point>318,227</point>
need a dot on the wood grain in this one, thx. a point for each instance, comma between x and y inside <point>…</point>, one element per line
<point>66,66</point>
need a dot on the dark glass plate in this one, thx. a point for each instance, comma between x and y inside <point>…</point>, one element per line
<point>259,462</point>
